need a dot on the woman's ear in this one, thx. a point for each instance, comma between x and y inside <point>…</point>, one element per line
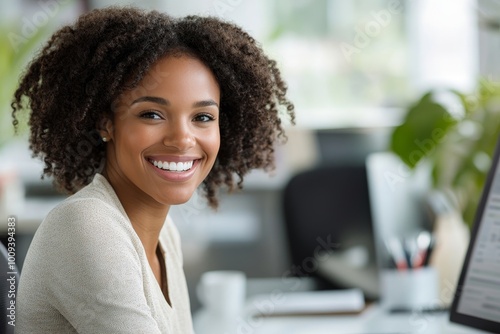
<point>105,128</point>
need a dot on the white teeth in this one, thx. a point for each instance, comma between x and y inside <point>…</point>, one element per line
<point>172,166</point>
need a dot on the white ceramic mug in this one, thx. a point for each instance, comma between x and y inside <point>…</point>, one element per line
<point>222,292</point>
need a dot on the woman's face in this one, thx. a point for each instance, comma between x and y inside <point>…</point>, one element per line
<point>164,137</point>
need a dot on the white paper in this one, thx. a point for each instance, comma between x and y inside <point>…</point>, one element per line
<point>330,301</point>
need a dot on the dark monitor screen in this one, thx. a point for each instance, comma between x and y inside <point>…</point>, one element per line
<point>477,298</point>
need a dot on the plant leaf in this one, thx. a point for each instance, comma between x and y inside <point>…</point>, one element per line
<point>426,124</point>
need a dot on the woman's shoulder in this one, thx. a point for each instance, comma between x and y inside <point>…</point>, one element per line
<point>83,227</point>
<point>99,192</point>
<point>95,206</point>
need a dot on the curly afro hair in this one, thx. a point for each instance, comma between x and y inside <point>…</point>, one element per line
<point>74,81</point>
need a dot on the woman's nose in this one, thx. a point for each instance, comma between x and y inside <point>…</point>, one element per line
<point>179,136</point>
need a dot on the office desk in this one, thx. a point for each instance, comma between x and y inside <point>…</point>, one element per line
<point>372,321</point>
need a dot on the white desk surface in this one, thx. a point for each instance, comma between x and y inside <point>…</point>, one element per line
<point>373,320</point>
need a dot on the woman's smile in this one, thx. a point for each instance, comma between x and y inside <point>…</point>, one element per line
<point>175,169</point>
<point>173,166</point>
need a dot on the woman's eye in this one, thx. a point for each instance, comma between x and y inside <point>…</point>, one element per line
<point>150,115</point>
<point>204,118</point>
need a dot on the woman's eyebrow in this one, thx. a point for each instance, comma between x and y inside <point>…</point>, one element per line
<point>154,99</point>
<point>162,101</point>
<point>205,103</point>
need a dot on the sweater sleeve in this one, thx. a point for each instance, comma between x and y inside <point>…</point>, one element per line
<point>95,277</point>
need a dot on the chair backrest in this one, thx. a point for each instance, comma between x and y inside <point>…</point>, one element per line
<point>329,203</point>
<point>6,295</point>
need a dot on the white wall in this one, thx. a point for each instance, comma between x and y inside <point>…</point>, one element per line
<point>254,16</point>
<point>443,38</point>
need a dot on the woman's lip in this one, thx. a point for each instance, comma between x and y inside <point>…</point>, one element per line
<point>175,176</point>
<point>172,158</point>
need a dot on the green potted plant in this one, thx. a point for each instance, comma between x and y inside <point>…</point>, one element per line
<point>457,139</point>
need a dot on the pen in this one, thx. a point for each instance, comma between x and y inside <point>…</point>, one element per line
<point>397,252</point>
<point>422,248</point>
<point>411,249</point>
<point>430,248</point>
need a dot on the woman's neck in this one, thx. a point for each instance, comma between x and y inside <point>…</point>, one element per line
<point>146,215</point>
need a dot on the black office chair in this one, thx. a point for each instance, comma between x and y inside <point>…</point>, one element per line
<point>327,205</point>
<point>5,285</point>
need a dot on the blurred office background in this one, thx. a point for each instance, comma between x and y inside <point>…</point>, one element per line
<point>352,67</point>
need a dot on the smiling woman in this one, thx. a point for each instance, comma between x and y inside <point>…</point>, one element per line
<point>131,112</point>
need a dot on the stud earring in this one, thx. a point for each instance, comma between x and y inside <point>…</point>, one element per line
<point>104,139</point>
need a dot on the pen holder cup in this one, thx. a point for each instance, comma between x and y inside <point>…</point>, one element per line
<point>415,289</point>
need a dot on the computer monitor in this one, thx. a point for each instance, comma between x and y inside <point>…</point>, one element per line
<point>477,298</point>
